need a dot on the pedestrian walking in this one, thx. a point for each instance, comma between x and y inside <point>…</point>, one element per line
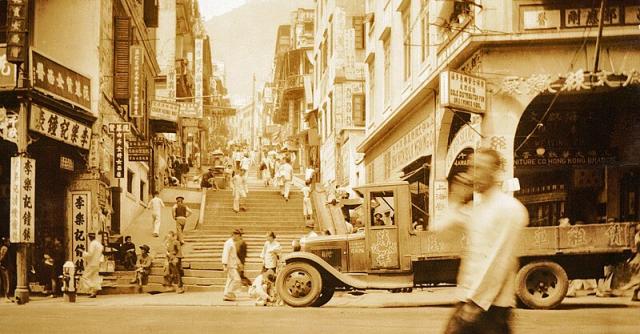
<point>241,249</point>
<point>245,164</point>
<point>230,263</point>
<point>5,275</point>
<point>155,205</point>
<point>493,226</point>
<point>286,171</point>
<point>91,281</point>
<point>277,178</point>
<point>180,214</point>
<point>143,267</point>
<point>238,187</point>
<point>270,253</point>
<point>173,265</point>
<point>307,207</point>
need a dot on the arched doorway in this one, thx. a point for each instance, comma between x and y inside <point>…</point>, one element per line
<point>578,159</point>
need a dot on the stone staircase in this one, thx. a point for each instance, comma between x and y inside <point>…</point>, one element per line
<point>266,211</point>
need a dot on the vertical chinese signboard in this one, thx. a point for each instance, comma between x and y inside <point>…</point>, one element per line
<point>22,202</point>
<point>137,61</point>
<point>171,84</point>
<point>198,76</point>
<point>7,70</point>
<point>17,24</point>
<point>80,209</point>
<point>118,130</point>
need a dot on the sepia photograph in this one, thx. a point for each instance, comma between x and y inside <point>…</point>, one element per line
<point>320,166</point>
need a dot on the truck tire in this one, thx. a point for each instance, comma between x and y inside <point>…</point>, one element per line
<point>325,296</point>
<point>299,284</point>
<point>541,285</point>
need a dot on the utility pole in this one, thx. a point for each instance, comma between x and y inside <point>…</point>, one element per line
<point>600,26</point>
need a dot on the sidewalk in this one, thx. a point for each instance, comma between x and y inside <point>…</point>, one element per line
<point>436,297</point>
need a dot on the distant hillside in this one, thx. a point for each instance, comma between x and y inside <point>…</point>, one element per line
<point>244,39</point>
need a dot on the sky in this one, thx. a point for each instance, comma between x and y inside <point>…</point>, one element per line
<point>211,8</point>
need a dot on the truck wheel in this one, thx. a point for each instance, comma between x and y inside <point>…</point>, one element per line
<point>299,284</point>
<point>541,285</point>
<point>325,296</point>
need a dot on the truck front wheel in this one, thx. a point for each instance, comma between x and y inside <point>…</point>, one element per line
<point>325,295</point>
<point>299,284</point>
<point>541,285</point>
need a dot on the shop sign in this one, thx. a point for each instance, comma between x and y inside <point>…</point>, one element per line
<point>188,109</point>
<point>22,200</point>
<point>80,213</point>
<point>582,17</point>
<point>467,137</point>
<point>7,70</point>
<point>171,84</point>
<point>67,163</point>
<point>440,197</point>
<point>59,127</point>
<point>563,158</point>
<point>539,17</point>
<point>8,126</point>
<point>139,150</point>
<point>463,92</point>
<point>416,143</point>
<point>198,75</point>
<point>167,111</point>
<point>137,61</point>
<point>118,130</point>
<point>220,111</point>
<point>53,78</point>
<point>193,122</point>
<point>632,14</point>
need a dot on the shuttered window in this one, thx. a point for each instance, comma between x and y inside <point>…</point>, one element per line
<point>122,42</point>
<point>151,13</point>
<point>358,28</point>
<point>358,109</point>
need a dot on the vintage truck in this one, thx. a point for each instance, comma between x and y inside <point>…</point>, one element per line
<point>392,255</point>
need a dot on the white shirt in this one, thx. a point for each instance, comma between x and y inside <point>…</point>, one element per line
<point>256,290</point>
<point>286,171</point>
<point>93,255</point>
<point>489,263</point>
<point>156,204</point>
<point>306,191</point>
<point>349,227</point>
<point>270,253</point>
<point>245,163</point>
<point>229,254</point>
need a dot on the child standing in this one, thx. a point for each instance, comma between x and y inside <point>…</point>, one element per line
<point>306,201</point>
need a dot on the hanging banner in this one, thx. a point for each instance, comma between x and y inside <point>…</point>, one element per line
<point>137,61</point>
<point>59,127</point>
<point>22,200</point>
<point>171,84</point>
<point>198,77</point>
<point>7,70</point>
<point>118,130</point>
<point>80,212</point>
<point>52,78</point>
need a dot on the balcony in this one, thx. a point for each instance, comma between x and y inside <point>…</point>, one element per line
<point>294,84</point>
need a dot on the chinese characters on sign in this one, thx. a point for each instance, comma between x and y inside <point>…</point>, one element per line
<point>188,109</point>
<point>52,78</point>
<point>17,28</point>
<point>23,201</point>
<point>164,110</point>
<point>462,91</point>
<point>538,17</point>
<point>58,127</point>
<point>198,77</point>
<point>8,125</point>
<point>171,84</point>
<point>441,197</point>
<point>580,17</point>
<point>80,209</point>
<point>137,60</point>
<point>416,143</point>
<point>118,130</point>
<point>7,70</point>
<point>139,151</point>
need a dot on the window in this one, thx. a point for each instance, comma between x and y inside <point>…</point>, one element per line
<point>387,72</point>
<point>358,28</point>
<point>382,209</point>
<point>330,114</point>
<point>372,91</point>
<point>329,38</point>
<point>424,31</point>
<point>143,190</point>
<point>3,22</point>
<point>130,176</point>
<point>406,26</point>
<point>324,54</point>
<point>357,108</point>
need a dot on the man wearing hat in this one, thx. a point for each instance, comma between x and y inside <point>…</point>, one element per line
<point>377,220</point>
<point>180,214</point>
<point>230,264</point>
<point>91,280</point>
<point>143,267</point>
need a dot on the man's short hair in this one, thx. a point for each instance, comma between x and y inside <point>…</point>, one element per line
<point>494,155</point>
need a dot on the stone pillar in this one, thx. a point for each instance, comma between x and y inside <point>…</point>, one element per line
<point>22,288</point>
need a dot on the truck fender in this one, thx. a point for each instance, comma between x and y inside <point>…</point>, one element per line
<point>319,263</point>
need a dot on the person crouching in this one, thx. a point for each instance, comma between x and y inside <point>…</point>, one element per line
<point>143,267</point>
<point>261,286</point>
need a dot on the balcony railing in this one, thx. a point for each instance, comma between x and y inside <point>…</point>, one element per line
<point>294,82</point>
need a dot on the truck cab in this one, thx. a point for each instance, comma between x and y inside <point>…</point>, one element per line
<point>389,253</point>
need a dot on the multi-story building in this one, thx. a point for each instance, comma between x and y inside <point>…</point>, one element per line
<point>292,97</point>
<point>522,77</point>
<point>339,88</point>
<point>87,78</point>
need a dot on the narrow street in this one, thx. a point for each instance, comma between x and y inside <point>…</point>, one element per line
<point>583,315</point>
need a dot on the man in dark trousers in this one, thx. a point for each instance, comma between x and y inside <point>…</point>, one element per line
<point>4,269</point>
<point>493,225</point>
<point>241,249</point>
<point>180,214</point>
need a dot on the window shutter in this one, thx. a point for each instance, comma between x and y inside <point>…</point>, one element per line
<point>122,42</point>
<point>358,27</point>
<point>151,13</point>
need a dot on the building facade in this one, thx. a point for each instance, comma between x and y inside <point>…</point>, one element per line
<point>521,77</point>
<point>339,88</point>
